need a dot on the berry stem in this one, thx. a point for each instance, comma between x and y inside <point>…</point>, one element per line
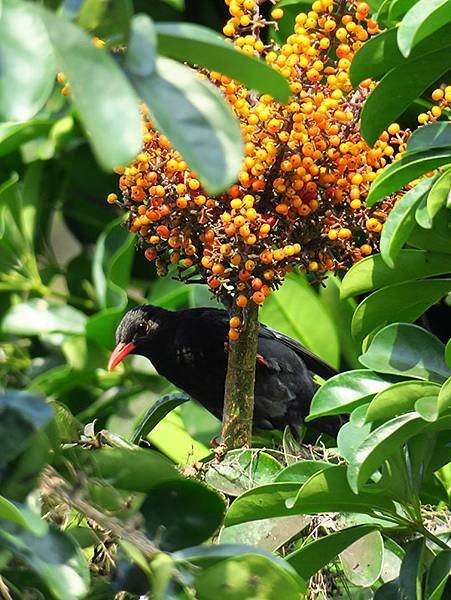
<point>239,386</point>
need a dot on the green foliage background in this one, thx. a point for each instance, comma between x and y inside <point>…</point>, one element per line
<point>118,515</point>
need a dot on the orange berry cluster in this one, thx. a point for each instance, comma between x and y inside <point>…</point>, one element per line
<point>300,195</point>
<point>442,98</point>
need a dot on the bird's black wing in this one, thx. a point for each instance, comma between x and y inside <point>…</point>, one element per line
<point>313,362</point>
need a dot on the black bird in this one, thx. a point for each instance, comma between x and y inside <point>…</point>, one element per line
<point>189,348</point>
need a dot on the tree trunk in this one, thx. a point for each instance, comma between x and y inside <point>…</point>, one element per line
<point>239,386</point>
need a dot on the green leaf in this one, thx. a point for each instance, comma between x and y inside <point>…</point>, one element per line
<point>437,238</point>
<point>341,311</point>
<point>352,434</point>
<point>108,19</point>
<point>318,332</point>
<point>438,575</point>
<point>412,569</point>
<point>136,470</point>
<point>380,444</point>
<point>28,64</point>
<point>423,19</point>
<point>326,491</point>
<point>362,561</point>
<point>112,264</point>
<point>448,353</point>
<point>444,397</point>
<point>422,215</point>
<point>38,316</point>
<point>399,398</point>
<point>407,350</point>
<point>248,576</point>
<point>405,170</point>
<point>313,556</point>
<point>436,135</point>
<point>398,89</point>
<point>13,135</point>
<point>407,301</point>
<point>427,408</point>
<point>55,557</point>
<point>372,272</point>
<point>22,415</point>
<point>189,110</point>
<point>182,513</point>
<point>157,412</point>
<point>401,221</point>
<point>398,8</point>
<point>438,195</point>
<point>300,471</point>
<point>268,534</point>
<point>106,104</point>
<point>345,391</point>
<point>198,45</point>
<point>377,56</point>
<point>22,515</point>
<point>241,470</point>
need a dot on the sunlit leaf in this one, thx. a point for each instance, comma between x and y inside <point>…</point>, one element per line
<point>438,195</point>
<point>422,20</point>
<point>362,561</point>
<point>38,316</point>
<point>407,350</point>
<point>399,398</point>
<point>157,412</point>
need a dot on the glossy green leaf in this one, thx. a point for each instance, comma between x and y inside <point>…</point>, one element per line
<point>108,19</point>
<point>55,557</point>
<point>421,214</point>
<point>241,470</point>
<point>13,135</point>
<point>317,332</point>
<point>407,301</point>
<point>28,63</point>
<point>302,470</point>
<point>106,104</point>
<point>341,311</point>
<point>412,569</point>
<point>22,416</point>
<point>438,574</point>
<point>345,391</point>
<point>407,350</point>
<point>326,491</point>
<point>435,239</point>
<point>189,110</point>
<point>405,170</point>
<point>112,265</point>
<point>313,556</point>
<point>398,8</point>
<point>434,135</point>
<point>444,397</point>
<point>439,193</point>
<point>137,470</point>
<point>397,90</point>
<point>362,561</point>
<point>181,513</point>
<point>250,576</point>
<point>198,45</point>
<point>377,56</point>
<point>448,353</point>
<point>38,316</point>
<point>427,408</point>
<point>162,407</point>
<point>372,272</point>
<point>352,434</point>
<point>379,444</point>
<point>399,398</point>
<point>401,221</point>
<point>22,515</point>
<point>422,20</point>
<point>268,534</point>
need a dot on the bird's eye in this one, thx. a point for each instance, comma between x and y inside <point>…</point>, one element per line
<point>141,328</point>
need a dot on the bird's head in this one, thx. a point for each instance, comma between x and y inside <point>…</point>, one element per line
<point>135,332</point>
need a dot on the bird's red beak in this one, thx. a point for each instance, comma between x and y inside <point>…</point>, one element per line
<point>119,353</point>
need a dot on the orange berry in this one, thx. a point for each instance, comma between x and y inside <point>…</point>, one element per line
<point>241,301</point>
<point>111,198</point>
<point>235,322</point>
<point>258,297</point>
<point>234,334</point>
